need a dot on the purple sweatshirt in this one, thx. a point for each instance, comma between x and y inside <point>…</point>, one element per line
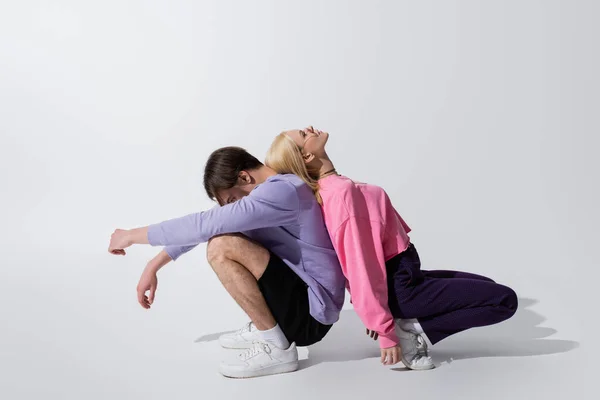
<point>281,214</point>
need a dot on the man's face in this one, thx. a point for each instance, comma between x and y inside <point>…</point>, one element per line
<point>243,188</point>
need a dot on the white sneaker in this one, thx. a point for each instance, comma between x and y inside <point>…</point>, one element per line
<point>262,359</point>
<point>414,350</point>
<point>243,338</point>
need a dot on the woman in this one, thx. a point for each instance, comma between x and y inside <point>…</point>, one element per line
<point>402,305</point>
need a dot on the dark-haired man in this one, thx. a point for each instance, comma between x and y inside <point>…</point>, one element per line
<point>270,249</point>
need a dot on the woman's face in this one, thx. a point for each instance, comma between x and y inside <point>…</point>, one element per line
<point>310,140</point>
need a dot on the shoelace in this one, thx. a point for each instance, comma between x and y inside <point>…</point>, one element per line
<point>421,357</point>
<point>420,342</point>
<point>254,350</point>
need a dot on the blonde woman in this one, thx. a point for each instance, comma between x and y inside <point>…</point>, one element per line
<point>402,305</point>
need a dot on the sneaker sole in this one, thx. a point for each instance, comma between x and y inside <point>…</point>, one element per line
<point>418,368</point>
<point>271,370</point>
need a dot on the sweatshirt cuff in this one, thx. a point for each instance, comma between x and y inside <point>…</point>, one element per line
<point>173,252</point>
<point>155,235</point>
<point>388,341</point>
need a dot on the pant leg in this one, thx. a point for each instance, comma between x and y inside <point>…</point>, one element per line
<point>286,295</point>
<point>445,306</point>
<point>444,274</point>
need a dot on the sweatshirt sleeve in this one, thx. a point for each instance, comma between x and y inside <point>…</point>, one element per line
<point>273,203</point>
<point>177,251</point>
<point>360,251</point>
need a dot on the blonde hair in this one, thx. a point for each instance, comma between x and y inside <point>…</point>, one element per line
<point>285,157</point>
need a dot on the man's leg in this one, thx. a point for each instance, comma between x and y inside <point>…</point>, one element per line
<point>239,263</point>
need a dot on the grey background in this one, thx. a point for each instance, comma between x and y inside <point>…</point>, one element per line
<point>479,118</point>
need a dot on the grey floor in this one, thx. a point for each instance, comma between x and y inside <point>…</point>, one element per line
<point>86,337</point>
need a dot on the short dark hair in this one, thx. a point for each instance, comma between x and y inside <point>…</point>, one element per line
<point>223,168</point>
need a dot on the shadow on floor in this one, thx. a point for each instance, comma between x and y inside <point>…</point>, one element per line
<point>520,336</point>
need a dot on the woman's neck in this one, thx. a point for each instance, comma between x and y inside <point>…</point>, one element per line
<point>327,167</point>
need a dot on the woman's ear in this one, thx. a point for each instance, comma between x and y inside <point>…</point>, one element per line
<point>308,157</point>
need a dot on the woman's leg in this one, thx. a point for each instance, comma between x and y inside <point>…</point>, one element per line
<point>444,274</point>
<point>444,307</point>
<point>445,302</point>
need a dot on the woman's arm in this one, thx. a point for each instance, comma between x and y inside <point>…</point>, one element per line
<point>361,255</point>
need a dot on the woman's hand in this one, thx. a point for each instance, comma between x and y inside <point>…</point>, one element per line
<point>148,282</point>
<point>391,355</point>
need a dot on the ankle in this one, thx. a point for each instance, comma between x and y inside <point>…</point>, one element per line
<point>275,336</point>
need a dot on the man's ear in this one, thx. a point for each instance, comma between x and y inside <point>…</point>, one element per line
<point>308,157</point>
<point>244,178</point>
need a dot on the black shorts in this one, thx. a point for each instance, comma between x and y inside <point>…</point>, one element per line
<point>287,297</point>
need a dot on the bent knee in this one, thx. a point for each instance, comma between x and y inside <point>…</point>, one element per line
<point>511,301</point>
<point>220,247</point>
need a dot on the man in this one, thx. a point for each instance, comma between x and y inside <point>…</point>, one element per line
<point>269,247</point>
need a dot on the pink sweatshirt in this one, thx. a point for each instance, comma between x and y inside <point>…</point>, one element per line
<point>366,231</point>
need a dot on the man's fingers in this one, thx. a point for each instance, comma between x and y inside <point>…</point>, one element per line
<point>141,297</point>
<point>374,335</point>
<point>151,297</point>
<point>383,356</point>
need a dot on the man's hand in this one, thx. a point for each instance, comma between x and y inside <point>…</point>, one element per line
<point>123,238</point>
<point>391,355</point>
<point>374,335</point>
<point>148,282</point>
<point>119,241</point>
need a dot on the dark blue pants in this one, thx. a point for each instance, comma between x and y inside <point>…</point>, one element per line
<point>445,302</point>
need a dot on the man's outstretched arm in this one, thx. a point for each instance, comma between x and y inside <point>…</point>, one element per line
<point>276,204</point>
